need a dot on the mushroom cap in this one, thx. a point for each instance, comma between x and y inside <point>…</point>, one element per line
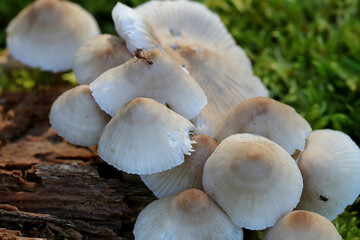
<point>162,80</point>
<point>131,27</point>
<point>330,166</point>
<point>77,118</point>
<point>302,225</point>
<point>189,215</point>
<point>195,38</point>
<point>185,176</point>
<point>145,137</point>
<point>268,118</point>
<point>97,55</point>
<point>253,179</point>
<point>47,33</point>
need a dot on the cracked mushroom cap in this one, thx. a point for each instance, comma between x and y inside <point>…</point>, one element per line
<point>330,166</point>
<point>195,38</point>
<point>145,137</point>
<point>77,118</point>
<point>253,179</point>
<point>155,76</point>
<point>302,225</point>
<point>47,33</point>
<point>190,215</point>
<point>268,118</point>
<point>97,55</point>
<point>185,176</point>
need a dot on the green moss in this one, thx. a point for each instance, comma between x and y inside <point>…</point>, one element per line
<point>306,53</point>
<point>348,225</point>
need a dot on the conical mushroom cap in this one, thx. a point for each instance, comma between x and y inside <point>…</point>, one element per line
<point>161,79</point>
<point>253,179</point>
<point>185,176</point>
<point>190,215</point>
<point>330,166</point>
<point>145,137</point>
<point>97,55</point>
<point>196,39</point>
<point>268,118</point>
<point>77,118</point>
<point>302,225</point>
<point>47,33</point>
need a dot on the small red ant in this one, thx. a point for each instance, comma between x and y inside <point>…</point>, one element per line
<point>140,55</point>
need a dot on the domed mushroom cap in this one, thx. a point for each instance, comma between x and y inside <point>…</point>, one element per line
<point>268,118</point>
<point>97,55</point>
<point>203,46</point>
<point>155,76</point>
<point>253,179</point>
<point>330,166</point>
<point>47,33</point>
<point>185,176</point>
<point>189,215</point>
<point>145,137</point>
<point>77,118</point>
<point>302,225</point>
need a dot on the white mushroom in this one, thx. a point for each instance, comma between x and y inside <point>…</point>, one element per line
<point>302,225</point>
<point>145,137</point>
<point>253,179</point>
<point>47,33</point>
<point>77,118</point>
<point>330,166</point>
<point>190,215</point>
<point>97,55</point>
<point>130,26</point>
<point>268,118</point>
<point>154,75</point>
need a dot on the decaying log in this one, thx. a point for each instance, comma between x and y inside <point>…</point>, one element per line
<point>52,189</point>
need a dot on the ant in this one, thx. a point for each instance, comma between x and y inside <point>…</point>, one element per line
<point>140,55</point>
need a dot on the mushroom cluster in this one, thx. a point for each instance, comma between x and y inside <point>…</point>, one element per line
<point>269,163</point>
<point>196,39</point>
<point>146,95</point>
<point>156,87</point>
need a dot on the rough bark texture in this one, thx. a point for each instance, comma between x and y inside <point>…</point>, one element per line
<point>52,189</point>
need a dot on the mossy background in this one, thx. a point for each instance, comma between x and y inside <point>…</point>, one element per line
<point>306,52</point>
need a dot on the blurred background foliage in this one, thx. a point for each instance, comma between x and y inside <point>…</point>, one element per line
<point>306,52</point>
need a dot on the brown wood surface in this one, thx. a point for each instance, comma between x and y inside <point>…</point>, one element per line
<point>52,189</point>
